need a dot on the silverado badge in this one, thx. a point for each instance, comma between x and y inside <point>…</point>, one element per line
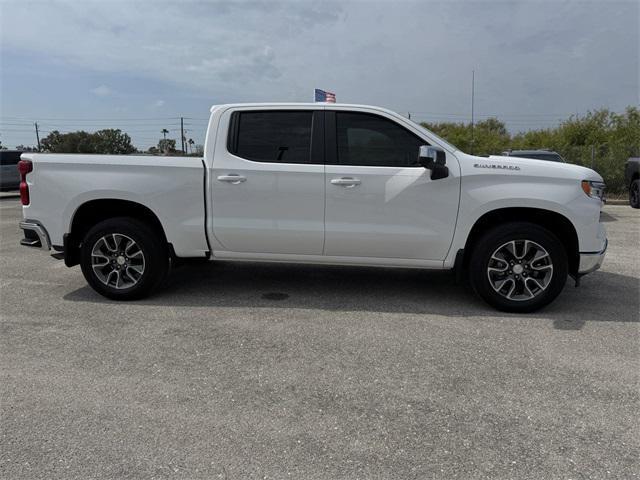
<point>496,165</point>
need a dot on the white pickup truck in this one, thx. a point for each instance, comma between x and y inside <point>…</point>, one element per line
<point>325,184</point>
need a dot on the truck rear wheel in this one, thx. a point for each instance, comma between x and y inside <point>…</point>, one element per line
<point>518,267</point>
<point>124,259</point>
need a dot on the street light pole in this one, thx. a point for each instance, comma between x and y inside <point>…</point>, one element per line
<point>473,85</point>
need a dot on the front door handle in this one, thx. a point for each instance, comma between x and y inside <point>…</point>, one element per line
<point>233,178</point>
<point>348,182</point>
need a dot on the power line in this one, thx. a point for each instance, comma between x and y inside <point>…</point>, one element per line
<point>176,118</point>
<point>14,130</point>
<point>109,125</point>
<point>94,118</point>
<point>496,114</point>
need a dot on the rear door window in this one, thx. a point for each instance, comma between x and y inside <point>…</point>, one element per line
<point>272,136</point>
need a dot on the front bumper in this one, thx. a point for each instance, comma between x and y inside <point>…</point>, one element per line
<point>35,235</point>
<point>590,262</point>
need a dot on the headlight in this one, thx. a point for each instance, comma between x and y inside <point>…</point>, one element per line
<point>594,189</point>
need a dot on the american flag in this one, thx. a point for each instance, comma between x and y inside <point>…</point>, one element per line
<point>322,96</point>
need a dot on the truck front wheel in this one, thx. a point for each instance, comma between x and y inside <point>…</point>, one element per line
<point>123,258</point>
<point>518,267</point>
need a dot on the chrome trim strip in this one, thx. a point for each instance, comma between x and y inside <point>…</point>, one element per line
<point>590,262</point>
<point>45,243</point>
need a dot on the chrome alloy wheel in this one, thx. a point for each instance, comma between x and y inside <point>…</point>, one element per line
<point>117,261</point>
<point>520,270</point>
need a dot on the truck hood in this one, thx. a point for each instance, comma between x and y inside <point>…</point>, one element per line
<point>539,168</point>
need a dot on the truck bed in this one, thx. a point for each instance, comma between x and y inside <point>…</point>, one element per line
<point>171,187</point>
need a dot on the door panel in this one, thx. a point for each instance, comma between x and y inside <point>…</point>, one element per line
<point>268,207</point>
<point>393,211</point>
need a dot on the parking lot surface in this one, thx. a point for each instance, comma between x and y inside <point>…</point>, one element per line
<point>283,371</point>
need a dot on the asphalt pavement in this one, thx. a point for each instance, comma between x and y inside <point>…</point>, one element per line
<point>277,371</point>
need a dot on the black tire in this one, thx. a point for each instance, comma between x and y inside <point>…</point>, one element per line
<point>489,243</point>
<point>155,258</point>
<point>634,194</point>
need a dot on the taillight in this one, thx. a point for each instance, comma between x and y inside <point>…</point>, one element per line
<point>24,167</point>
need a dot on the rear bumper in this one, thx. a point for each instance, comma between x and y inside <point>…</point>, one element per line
<point>35,235</point>
<point>590,262</point>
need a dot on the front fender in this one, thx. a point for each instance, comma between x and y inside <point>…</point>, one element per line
<point>486,192</point>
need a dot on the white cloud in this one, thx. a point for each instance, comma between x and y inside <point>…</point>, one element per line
<point>531,57</point>
<point>101,91</point>
<point>211,47</point>
<point>159,103</point>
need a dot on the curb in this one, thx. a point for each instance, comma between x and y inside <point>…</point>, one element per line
<point>617,202</point>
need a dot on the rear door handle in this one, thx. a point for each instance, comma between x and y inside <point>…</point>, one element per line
<point>348,182</point>
<point>233,178</point>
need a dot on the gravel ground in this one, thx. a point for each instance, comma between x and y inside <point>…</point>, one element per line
<point>281,371</point>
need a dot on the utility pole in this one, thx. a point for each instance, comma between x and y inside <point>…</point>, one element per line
<point>182,133</point>
<point>37,135</point>
<point>473,87</point>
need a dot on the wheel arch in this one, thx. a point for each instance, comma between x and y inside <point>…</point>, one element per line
<point>555,222</point>
<point>92,212</point>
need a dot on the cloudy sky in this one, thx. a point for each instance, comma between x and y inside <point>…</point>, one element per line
<point>139,65</point>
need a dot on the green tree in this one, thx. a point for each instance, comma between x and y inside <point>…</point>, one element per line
<point>113,141</point>
<point>459,134</point>
<point>108,141</point>
<point>490,136</point>
<point>24,148</point>
<point>600,139</point>
<point>167,146</point>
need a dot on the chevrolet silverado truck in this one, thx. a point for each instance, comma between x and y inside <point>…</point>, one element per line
<point>320,184</point>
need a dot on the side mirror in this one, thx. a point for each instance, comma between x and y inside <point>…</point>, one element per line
<point>434,159</point>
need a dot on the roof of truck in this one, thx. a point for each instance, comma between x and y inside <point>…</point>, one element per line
<point>299,104</point>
